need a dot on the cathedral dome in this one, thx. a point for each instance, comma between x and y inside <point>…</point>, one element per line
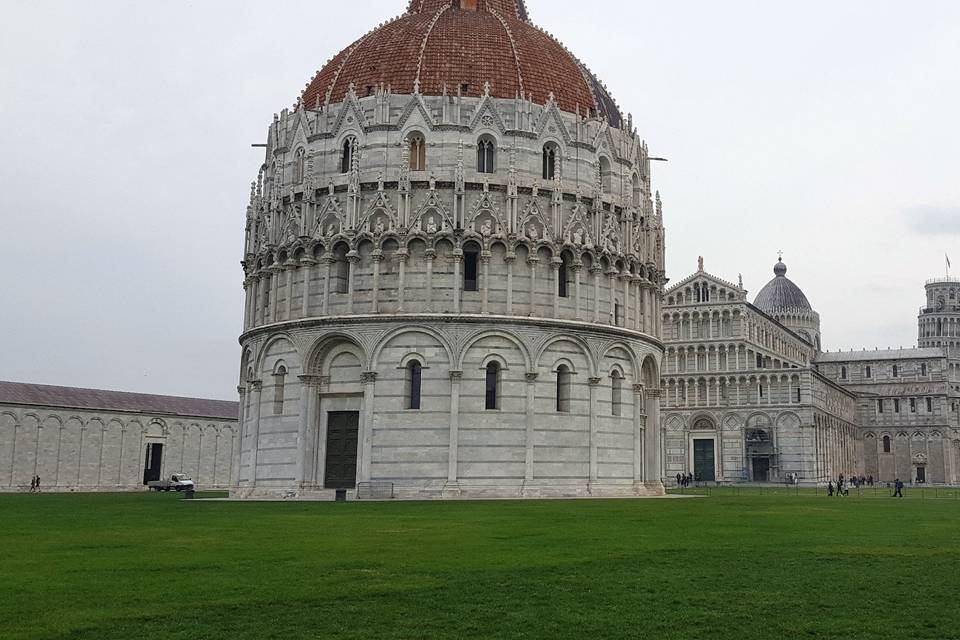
<point>781,294</point>
<point>458,46</point>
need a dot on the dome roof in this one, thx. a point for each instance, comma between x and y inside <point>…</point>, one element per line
<point>460,45</point>
<point>781,294</point>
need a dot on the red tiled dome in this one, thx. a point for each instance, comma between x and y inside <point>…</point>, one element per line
<point>462,44</point>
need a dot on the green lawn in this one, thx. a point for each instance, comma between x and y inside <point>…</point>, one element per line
<point>726,566</point>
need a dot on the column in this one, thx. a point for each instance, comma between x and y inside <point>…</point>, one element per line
<point>531,418</point>
<point>485,281</point>
<point>594,416</point>
<point>377,258</point>
<point>555,269</point>
<point>430,254</point>
<point>307,269</point>
<point>326,284</point>
<point>611,275</point>
<point>639,418</point>
<point>308,422</point>
<point>457,265</point>
<point>596,269</point>
<point>237,440</point>
<point>453,452</point>
<point>354,259</point>
<point>576,266</point>
<point>533,284</point>
<point>274,292</point>
<point>510,258</point>
<point>246,303</point>
<point>289,304</point>
<point>368,379</point>
<point>256,387</point>
<point>402,278</point>
<point>652,437</point>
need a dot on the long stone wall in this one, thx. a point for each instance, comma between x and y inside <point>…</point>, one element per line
<point>86,450</point>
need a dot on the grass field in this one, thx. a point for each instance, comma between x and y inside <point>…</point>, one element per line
<point>125,566</point>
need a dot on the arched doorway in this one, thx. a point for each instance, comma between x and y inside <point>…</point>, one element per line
<point>703,449</point>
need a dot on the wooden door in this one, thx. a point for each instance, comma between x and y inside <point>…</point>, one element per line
<point>341,459</point>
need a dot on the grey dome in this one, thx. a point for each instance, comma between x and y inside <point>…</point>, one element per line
<point>781,294</point>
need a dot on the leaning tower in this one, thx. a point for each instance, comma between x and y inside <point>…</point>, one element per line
<point>453,267</point>
<point>939,319</point>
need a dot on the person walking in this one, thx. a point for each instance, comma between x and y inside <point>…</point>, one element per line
<point>33,483</point>
<point>678,479</point>
<point>830,488</point>
<point>37,484</point>
<point>897,488</point>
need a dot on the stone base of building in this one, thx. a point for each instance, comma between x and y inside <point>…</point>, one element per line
<point>466,491</point>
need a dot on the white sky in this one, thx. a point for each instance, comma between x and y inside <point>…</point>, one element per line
<point>826,129</point>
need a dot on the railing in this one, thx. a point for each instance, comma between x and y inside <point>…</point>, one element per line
<point>374,490</point>
<point>942,279</point>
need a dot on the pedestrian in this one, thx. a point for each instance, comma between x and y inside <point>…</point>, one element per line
<point>38,483</point>
<point>898,488</point>
<point>830,488</point>
<point>33,483</point>
<point>678,479</point>
<point>870,480</point>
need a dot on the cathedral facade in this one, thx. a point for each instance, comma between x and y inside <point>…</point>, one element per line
<point>454,272</point>
<point>748,395</point>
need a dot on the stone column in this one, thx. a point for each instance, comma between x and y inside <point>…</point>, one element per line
<point>402,278</point>
<point>555,268</point>
<point>611,279</point>
<point>594,415</point>
<point>307,268</point>
<point>530,420</point>
<point>368,379</point>
<point>577,267</point>
<point>256,387</point>
<point>510,258</point>
<point>246,303</point>
<point>485,282</point>
<point>237,441</point>
<point>430,254</point>
<point>326,284</point>
<point>533,283</point>
<point>377,259</point>
<point>354,259</point>
<point>308,422</point>
<point>454,444</point>
<point>596,270</point>
<point>639,420</point>
<point>457,278</point>
<point>274,300</point>
<point>652,438</point>
<point>290,269</point>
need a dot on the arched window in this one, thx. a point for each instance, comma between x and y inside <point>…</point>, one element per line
<point>279,379</point>
<point>549,161</point>
<point>896,371</point>
<point>493,386</point>
<point>869,372</point>
<point>923,369</point>
<point>616,393</point>
<point>267,281</point>
<point>563,276</point>
<point>485,152</point>
<point>418,152</point>
<point>636,190</point>
<point>414,376</point>
<point>617,312</point>
<point>298,160</point>
<point>563,388</point>
<point>606,175</point>
<point>471,272</point>
<point>341,271</point>
<point>346,154</point>
<point>886,444</point>
<point>843,373</point>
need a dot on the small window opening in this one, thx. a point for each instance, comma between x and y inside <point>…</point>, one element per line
<point>414,377</point>
<point>886,444</point>
<point>563,389</point>
<point>279,379</point>
<point>470,272</point>
<point>492,384</point>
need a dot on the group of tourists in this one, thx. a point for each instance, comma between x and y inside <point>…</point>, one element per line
<point>685,480</point>
<point>35,483</point>
<point>843,485</point>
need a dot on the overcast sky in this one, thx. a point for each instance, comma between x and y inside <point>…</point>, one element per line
<point>826,129</point>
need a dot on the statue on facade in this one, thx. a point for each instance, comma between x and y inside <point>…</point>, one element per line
<point>431,225</point>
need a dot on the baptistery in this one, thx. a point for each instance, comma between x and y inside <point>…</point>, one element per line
<point>453,271</point>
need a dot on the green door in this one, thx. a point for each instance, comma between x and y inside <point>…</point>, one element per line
<point>703,460</point>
